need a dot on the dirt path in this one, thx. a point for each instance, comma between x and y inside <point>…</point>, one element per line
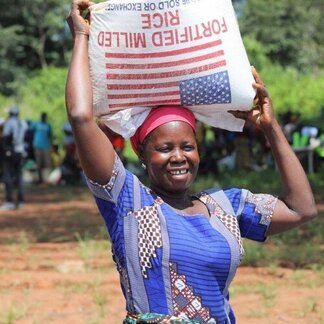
<point>51,273</point>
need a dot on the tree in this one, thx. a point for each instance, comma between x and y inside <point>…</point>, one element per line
<point>256,53</point>
<point>291,31</point>
<point>35,37</point>
<point>290,89</point>
<point>11,73</point>
<point>45,92</point>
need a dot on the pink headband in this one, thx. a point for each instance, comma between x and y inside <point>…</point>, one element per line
<point>159,116</point>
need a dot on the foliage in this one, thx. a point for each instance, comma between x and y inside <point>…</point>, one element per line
<point>32,37</point>
<point>11,74</point>
<point>290,31</point>
<point>291,90</point>
<point>5,103</point>
<point>45,92</point>
<point>256,53</point>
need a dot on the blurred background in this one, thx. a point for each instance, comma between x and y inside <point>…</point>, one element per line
<point>283,39</point>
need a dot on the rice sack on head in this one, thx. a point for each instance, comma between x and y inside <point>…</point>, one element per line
<point>176,52</point>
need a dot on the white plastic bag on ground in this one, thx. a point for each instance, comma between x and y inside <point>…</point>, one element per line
<point>180,52</point>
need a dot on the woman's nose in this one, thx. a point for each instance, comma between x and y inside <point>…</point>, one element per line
<point>177,155</point>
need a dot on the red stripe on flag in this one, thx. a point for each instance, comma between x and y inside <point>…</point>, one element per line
<point>143,95</point>
<point>142,86</point>
<point>130,75</point>
<point>166,53</point>
<point>145,103</point>
<point>165,64</point>
<point>160,75</point>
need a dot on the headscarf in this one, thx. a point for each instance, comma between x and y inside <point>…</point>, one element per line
<point>159,116</point>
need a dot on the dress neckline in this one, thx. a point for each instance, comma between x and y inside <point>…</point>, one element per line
<point>159,201</point>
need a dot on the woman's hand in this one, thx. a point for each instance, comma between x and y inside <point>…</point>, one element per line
<point>75,20</point>
<point>261,115</point>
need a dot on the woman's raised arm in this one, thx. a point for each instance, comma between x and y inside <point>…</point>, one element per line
<point>94,148</point>
<point>296,204</point>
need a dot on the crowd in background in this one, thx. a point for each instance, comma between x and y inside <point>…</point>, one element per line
<point>29,153</point>
<point>41,159</point>
<point>249,150</point>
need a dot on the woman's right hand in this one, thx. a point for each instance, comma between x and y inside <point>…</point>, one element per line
<point>261,114</point>
<point>75,20</point>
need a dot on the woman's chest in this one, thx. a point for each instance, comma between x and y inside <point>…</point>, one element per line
<point>193,240</point>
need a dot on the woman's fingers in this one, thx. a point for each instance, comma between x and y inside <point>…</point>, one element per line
<point>77,22</point>
<point>252,115</point>
<point>239,114</point>
<point>256,76</point>
<point>261,91</point>
<point>77,6</point>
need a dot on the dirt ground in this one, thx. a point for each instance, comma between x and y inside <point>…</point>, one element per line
<point>52,272</point>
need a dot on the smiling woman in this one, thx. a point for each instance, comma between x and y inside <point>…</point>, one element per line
<point>177,253</point>
<point>166,144</point>
<point>172,160</point>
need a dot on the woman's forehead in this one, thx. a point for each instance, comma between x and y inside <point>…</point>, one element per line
<point>173,130</point>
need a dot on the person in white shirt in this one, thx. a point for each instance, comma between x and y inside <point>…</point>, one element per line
<point>14,131</point>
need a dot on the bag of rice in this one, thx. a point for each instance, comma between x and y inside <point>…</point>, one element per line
<point>160,52</point>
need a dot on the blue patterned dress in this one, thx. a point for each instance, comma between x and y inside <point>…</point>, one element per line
<point>173,264</point>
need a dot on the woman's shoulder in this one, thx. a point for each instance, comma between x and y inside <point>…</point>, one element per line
<point>230,192</point>
<point>229,199</point>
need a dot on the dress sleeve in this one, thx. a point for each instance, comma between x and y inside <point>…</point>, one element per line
<point>256,213</point>
<point>110,191</point>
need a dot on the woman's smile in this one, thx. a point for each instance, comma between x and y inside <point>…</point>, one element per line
<point>178,172</point>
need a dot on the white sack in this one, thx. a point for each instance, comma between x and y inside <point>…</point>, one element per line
<point>184,52</point>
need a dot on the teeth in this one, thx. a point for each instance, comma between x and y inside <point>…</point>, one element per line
<point>177,172</point>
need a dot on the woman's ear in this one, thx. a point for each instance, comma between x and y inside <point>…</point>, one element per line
<point>141,153</point>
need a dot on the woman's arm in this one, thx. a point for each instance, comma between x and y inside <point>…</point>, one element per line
<point>94,148</point>
<point>297,205</point>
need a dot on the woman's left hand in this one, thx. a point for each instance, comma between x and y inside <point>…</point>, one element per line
<point>261,115</point>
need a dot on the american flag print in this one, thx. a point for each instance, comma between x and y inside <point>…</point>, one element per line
<point>190,76</point>
<point>206,90</point>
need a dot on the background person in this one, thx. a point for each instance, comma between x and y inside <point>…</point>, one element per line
<point>42,145</point>
<point>70,167</point>
<point>14,130</point>
<point>177,253</point>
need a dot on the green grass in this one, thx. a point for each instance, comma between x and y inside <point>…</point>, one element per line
<point>13,314</point>
<point>88,248</point>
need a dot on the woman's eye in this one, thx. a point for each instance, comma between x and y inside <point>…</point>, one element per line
<point>163,149</point>
<point>188,148</point>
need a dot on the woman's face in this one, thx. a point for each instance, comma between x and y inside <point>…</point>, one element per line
<point>171,155</point>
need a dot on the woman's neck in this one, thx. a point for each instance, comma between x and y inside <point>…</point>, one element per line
<point>176,200</point>
<point>184,203</point>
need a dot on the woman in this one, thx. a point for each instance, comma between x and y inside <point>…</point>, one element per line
<point>177,253</point>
